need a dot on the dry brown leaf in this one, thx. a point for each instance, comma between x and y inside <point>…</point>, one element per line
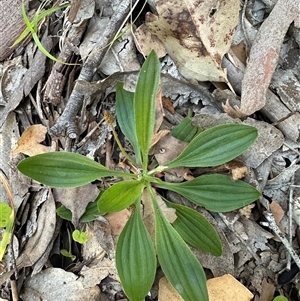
<point>156,137</point>
<point>167,103</point>
<point>226,288</point>
<point>118,220</point>
<point>76,199</point>
<point>264,55</point>
<point>29,142</point>
<point>148,213</point>
<point>167,149</point>
<point>196,34</point>
<point>145,41</point>
<point>267,291</point>
<point>277,211</point>
<point>159,110</point>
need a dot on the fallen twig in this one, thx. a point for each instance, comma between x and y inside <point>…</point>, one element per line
<point>273,226</point>
<point>66,122</point>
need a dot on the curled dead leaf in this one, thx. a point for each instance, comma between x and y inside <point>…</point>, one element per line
<point>29,142</point>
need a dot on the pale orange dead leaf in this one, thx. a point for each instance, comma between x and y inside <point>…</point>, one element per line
<point>118,220</point>
<point>196,34</point>
<point>227,288</point>
<point>29,142</point>
<point>222,288</point>
<point>277,211</point>
<point>167,292</point>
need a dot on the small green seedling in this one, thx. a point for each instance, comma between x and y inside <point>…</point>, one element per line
<point>7,216</point>
<point>67,254</point>
<point>280,298</point>
<point>79,236</point>
<point>136,251</point>
<point>5,212</point>
<point>32,28</point>
<point>6,221</point>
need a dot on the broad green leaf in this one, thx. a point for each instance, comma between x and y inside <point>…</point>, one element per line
<point>125,117</point>
<point>5,211</point>
<point>135,258</point>
<point>89,215</point>
<point>216,146</point>
<point>120,196</point>
<point>144,104</point>
<point>185,131</point>
<point>177,261</point>
<point>79,236</point>
<point>217,193</point>
<point>64,213</point>
<point>64,169</point>
<point>195,229</point>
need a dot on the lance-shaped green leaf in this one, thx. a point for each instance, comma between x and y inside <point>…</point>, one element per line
<point>41,16</point>
<point>195,229</point>
<point>217,193</point>
<point>64,169</point>
<point>135,258</point>
<point>177,261</point>
<point>185,130</point>
<point>144,104</point>
<point>216,146</point>
<point>33,30</point>
<point>120,196</point>
<point>125,117</point>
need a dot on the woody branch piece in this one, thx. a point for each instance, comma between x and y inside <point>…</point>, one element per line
<point>273,226</point>
<point>264,56</point>
<point>66,122</point>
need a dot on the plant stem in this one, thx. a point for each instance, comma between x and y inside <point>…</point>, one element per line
<point>110,119</point>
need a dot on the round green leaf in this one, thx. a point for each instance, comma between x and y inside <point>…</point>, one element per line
<point>80,237</point>
<point>280,298</point>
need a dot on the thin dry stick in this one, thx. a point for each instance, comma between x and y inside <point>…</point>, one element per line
<point>273,226</point>
<point>230,226</point>
<point>290,215</point>
<point>66,122</point>
<point>89,134</point>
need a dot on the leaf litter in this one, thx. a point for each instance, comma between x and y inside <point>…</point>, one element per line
<point>196,37</point>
